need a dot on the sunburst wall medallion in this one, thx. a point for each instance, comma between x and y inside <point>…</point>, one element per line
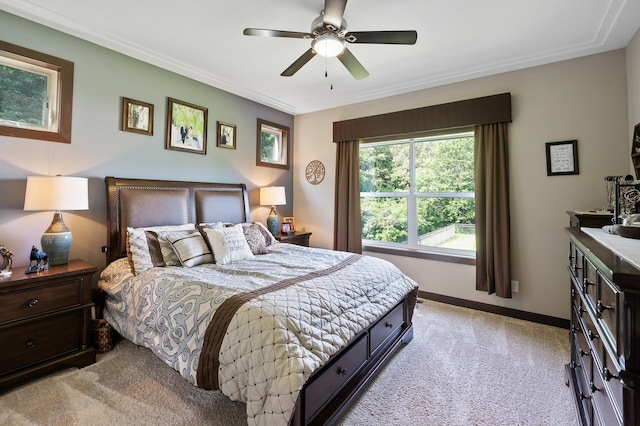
<point>315,172</point>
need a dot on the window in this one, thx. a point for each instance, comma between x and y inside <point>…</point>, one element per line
<point>419,193</point>
<point>36,92</point>
<point>273,145</point>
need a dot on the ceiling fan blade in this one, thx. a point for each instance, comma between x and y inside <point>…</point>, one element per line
<point>294,67</point>
<point>274,33</point>
<point>384,37</point>
<point>353,65</point>
<point>334,12</point>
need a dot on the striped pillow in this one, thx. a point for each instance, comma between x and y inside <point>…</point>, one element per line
<point>191,249</point>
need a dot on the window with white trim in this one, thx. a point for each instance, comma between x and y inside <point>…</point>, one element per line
<point>419,193</point>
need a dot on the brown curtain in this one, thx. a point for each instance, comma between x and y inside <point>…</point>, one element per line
<point>493,270</point>
<point>347,230</point>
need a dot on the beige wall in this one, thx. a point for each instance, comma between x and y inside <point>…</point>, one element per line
<point>583,99</point>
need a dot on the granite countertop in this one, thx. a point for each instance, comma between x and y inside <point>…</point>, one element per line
<point>627,248</point>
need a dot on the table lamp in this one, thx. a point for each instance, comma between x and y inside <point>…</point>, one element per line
<point>56,193</point>
<point>273,196</point>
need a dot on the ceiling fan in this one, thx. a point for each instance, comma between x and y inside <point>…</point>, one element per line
<point>329,37</point>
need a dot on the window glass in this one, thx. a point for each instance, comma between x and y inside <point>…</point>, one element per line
<point>24,97</point>
<point>419,193</point>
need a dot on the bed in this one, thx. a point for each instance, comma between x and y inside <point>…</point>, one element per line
<point>294,332</point>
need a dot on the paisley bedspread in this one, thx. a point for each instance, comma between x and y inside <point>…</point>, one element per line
<point>275,339</point>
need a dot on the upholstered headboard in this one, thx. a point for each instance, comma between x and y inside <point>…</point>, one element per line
<point>144,202</point>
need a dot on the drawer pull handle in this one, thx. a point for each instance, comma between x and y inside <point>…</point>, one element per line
<point>342,371</point>
<point>601,307</point>
<point>607,374</point>
<point>388,324</point>
<point>32,303</point>
<point>30,344</point>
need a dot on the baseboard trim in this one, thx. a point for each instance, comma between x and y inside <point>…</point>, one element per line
<point>500,310</point>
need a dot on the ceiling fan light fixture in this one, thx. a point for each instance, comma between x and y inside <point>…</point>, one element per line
<point>328,45</point>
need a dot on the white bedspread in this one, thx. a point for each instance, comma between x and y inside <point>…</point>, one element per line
<point>275,341</point>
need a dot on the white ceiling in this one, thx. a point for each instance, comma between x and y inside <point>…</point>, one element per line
<point>457,40</point>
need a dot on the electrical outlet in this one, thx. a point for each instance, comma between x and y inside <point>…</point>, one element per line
<point>515,286</point>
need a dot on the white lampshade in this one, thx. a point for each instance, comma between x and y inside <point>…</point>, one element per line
<point>328,45</point>
<point>272,196</point>
<point>56,193</point>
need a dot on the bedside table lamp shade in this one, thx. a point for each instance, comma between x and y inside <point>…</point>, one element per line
<point>56,193</point>
<point>273,196</point>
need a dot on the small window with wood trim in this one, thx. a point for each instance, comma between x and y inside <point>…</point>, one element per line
<point>36,93</point>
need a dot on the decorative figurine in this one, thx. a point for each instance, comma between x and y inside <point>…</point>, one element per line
<point>38,261</point>
<point>5,261</point>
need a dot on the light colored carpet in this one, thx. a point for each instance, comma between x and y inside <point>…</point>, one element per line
<point>463,367</point>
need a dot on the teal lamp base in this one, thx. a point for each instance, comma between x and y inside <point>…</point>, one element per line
<point>56,241</point>
<point>273,222</point>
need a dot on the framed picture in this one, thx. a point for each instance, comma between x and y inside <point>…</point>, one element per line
<point>286,227</point>
<point>137,117</point>
<point>291,221</point>
<point>562,158</point>
<point>272,148</point>
<point>186,127</point>
<point>226,135</point>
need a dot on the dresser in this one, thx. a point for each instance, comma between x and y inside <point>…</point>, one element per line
<point>604,369</point>
<point>45,321</point>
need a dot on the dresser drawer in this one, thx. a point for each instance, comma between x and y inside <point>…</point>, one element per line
<point>601,398</point>
<point>607,308</point>
<point>589,282</point>
<point>334,376</point>
<point>389,325</point>
<point>576,262</point>
<point>611,376</point>
<point>40,300</point>
<point>35,341</point>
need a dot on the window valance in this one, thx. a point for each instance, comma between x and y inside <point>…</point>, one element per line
<point>470,112</point>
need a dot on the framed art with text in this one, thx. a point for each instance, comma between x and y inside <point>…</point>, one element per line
<point>562,158</point>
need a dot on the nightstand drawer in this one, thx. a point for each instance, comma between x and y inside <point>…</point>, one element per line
<point>34,341</point>
<point>40,300</point>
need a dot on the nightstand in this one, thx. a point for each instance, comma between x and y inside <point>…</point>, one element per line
<point>45,321</point>
<point>299,238</point>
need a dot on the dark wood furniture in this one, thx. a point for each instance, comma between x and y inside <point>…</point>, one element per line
<point>589,219</point>
<point>604,370</point>
<point>299,238</point>
<point>45,321</point>
<point>329,391</point>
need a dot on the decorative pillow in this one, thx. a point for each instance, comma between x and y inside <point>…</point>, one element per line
<point>228,244</point>
<point>168,256</point>
<point>142,256</point>
<point>191,249</point>
<point>268,236</point>
<point>255,239</point>
<point>211,225</point>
